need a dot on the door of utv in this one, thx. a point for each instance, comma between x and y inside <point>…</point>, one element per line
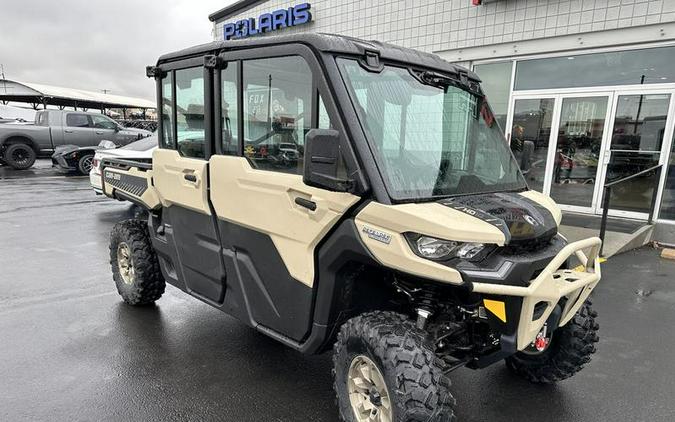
<point>186,238</point>
<point>269,221</point>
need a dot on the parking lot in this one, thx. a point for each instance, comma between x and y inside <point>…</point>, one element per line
<point>71,350</point>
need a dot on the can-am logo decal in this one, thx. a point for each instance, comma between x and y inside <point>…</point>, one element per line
<point>268,22</point>
<point>377,235</point>
<point>112,176</point>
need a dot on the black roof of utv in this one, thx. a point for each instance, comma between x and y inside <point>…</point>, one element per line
<point>327,43</point>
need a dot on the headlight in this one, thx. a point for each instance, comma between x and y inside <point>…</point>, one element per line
<point>439,249</point>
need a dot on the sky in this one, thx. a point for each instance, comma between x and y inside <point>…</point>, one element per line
<point>97,45</point>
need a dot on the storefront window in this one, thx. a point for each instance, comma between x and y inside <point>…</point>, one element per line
<point>577,151</point>
<point>530,136</point>
<point>496,83</point>
<point>634,67</point>
<point>668,199</point>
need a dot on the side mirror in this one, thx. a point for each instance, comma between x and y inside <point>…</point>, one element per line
<point>117,128</point>
<point>322,157</point>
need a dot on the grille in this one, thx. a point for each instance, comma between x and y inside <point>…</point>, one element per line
<point>527,246</point>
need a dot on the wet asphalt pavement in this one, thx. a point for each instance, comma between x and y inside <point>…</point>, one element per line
<point>70,350</point>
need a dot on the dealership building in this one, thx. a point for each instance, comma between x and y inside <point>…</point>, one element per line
<point>587,85</point>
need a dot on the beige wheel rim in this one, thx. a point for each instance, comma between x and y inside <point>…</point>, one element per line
<point>368,392</point>
<point>125,264</point>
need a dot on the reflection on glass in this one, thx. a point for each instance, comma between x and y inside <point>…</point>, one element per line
<point>530,135</point>
<point>496,83</point>
<point>582,122</point>
<point>229,113</point>
<point>635,194</point>
<point>167,112</point>
<point>668,198</point>
<point>639,125</point>
<point>190,112</point>
<point>277,98</point>
<point>634,67</point>
<point>640,122</point>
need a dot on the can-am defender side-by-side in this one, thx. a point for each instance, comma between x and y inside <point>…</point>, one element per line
<point>337,193</point>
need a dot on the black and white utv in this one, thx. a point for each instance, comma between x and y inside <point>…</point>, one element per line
<point>340,194</point>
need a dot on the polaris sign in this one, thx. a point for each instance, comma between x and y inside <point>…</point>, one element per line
<point>268,22</point>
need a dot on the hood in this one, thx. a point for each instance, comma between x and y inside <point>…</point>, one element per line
<point>125,153</point>
<point>136,130</point>
<point>520,217</point>
<point>67,149</point>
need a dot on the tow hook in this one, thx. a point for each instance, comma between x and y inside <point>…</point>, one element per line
<point>541,342</point>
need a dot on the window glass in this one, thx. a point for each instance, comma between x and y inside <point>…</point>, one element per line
<point>41,119</point>
<point>277,108</point>
<point>230,114</point>
<point>577,149</point>
<point>102,122</point>
<point>668,199</point>
<point>190,112</point>
<point>324,120</point>
<point>429,140</point>
<point>530,134</point>
<point>640,122</point>
<point>496,84</point>
<point>77,120</point>
<point>167,113</point>
<point>649,66</point>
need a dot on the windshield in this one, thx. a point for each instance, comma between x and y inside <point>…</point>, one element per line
<point>428,140</point>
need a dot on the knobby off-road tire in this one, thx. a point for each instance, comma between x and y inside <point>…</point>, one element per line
<point>20,156</point>
<point>415,384</point>
<point>134,263</point>
<point>571,348</point>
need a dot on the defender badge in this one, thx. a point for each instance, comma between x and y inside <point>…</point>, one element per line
<point>377,235</point>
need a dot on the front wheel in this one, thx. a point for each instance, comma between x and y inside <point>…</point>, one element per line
<point>570,349</point>
<point>385,371</point>
<point>134,263</point>
<point>85,163</point>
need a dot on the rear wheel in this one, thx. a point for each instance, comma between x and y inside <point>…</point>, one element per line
<point>570,348</point>
<point>134,263</point>
<point>20,156</point>
<point>385,371</point>
<point>85,163</point>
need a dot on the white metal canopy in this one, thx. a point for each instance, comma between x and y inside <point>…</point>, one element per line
<point>70,97</point>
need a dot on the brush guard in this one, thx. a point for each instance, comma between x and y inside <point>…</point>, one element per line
<point>550,286</point>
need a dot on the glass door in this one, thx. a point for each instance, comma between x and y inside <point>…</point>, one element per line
<point>577,152</point>
<point>639,124</point>
<point>530,137</point>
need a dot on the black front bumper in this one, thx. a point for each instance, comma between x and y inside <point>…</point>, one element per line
<point>514,265</point>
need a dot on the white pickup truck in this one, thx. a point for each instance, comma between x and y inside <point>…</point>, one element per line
<point>21,143</point>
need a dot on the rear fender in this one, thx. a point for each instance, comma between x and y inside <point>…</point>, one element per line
<point>130,181</point>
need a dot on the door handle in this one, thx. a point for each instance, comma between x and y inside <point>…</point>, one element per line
<point>190,178</point>
<point>306,203</point>
<point>68,131</point>
<point>99,133</point>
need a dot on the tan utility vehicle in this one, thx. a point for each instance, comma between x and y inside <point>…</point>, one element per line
<point>337,193</point>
